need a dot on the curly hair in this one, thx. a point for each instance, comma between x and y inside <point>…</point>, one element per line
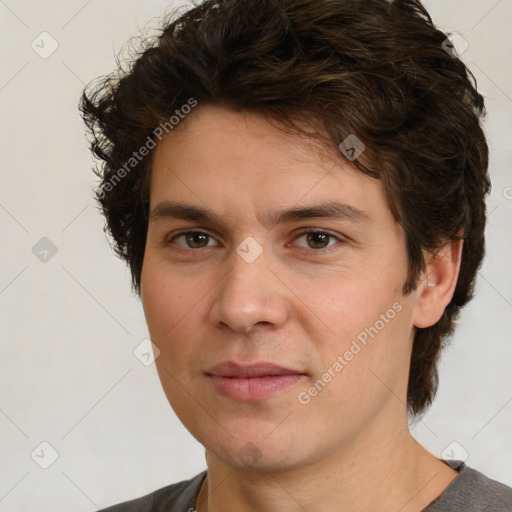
<point>377,69</point>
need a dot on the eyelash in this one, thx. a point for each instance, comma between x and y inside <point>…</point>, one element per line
<point>298,235</point>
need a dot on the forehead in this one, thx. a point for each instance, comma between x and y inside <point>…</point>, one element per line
<point>228,160</point>
<point>214,134</point>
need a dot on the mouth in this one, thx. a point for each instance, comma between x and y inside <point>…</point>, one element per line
<point>253,382</point>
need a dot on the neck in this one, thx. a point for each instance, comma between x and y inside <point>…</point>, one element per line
<point>374,473</point>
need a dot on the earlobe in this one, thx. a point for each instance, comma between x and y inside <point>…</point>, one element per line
<point>435,290</point>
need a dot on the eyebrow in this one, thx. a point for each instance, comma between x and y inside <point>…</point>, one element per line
<point>333,210</point>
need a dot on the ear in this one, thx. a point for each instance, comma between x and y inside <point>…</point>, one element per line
<point>435,289</point>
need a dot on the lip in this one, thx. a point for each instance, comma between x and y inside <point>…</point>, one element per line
<point>257,381</point>
<point>260,369</point>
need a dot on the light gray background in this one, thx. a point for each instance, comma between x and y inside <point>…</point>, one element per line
<point>69,326</point>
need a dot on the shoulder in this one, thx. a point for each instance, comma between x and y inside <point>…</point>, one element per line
<point>471,491</point>
<point>178,497</point>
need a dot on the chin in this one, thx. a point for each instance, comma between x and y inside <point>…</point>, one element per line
<point>261,453</point>
<point>251,458</point>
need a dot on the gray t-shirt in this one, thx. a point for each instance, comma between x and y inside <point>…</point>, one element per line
<point>470,491</point>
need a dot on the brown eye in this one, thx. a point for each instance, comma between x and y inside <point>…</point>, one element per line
<point>197,240</point>
<point>193,240</point>
<point>317,240</point>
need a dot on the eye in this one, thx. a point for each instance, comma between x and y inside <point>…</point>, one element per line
<point>192,239</point>
<point>312,239</point>
<point>318,240</point>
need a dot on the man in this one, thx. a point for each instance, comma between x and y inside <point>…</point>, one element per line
<point>299,190</point>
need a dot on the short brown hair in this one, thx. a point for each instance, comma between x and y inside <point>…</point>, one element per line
<point>377,69</point>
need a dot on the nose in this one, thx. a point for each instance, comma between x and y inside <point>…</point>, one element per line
<point>249,295</point>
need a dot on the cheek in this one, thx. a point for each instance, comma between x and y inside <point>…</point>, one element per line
<point>351,300</point>
<point>166,298</point>
<point>363,370</point>
<point>175,307</point>
<point>369,329</point>
<point>170,304</point>
<point>166,302</point>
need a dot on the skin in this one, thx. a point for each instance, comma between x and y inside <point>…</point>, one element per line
<point>300,304</point>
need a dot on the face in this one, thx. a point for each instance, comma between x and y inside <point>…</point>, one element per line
<point>272,285</point>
